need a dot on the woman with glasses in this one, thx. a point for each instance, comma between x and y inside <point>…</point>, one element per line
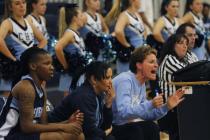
<point>172,59</point>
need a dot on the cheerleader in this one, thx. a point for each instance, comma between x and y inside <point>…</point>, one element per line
<point>16,35</point>
<point>167,24</point>
<point>129,30</point>
<point>95,25</point>
<point>36,10</point>
<point>70,42</point>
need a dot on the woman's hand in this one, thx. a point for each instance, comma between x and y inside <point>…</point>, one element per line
<point>109,96</point>
<point>158,101</point>
<point>175,99</point>
<point>108,131</point>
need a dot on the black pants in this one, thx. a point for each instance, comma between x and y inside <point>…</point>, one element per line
<point>109,137</point>
<point>146,130</point>
<point>169,124</point>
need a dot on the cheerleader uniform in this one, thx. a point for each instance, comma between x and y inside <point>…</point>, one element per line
<point>10,128</point>
<point>134,32</point>
<point>77,47</point>
<point>169,28</point>
<point>41,26</point>
<point>17,42</point>
<point>94,26</point>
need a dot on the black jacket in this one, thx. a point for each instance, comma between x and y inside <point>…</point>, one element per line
<point>97,117</point>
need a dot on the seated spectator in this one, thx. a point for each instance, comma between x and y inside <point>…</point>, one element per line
<point>133,114</point>
<point>94,99</point>
<point>24,115</point>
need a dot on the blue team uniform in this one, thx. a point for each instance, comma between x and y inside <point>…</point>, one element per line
<point>9,119</point>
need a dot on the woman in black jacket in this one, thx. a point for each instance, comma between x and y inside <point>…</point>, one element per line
<point>94,99</point>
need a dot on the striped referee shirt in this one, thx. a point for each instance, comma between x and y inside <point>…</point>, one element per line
<point>169,65</point>
<point>191,57</point>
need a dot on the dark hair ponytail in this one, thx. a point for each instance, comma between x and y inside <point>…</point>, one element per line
<point>30,5</point>
<point>163,6</point>
<point>187,6</point>
<point>66,14</point>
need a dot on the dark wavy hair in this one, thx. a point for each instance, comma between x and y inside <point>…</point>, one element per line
<point>163,6</point>
<point>182,28</point>
<point>169,46</point>
<point>187,5</point>
<point>97,69</point>
<point>29,5</point>
<point>125,4</point>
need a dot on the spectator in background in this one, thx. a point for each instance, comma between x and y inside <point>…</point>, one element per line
<point>94,99</point>
<point>133,114</point>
